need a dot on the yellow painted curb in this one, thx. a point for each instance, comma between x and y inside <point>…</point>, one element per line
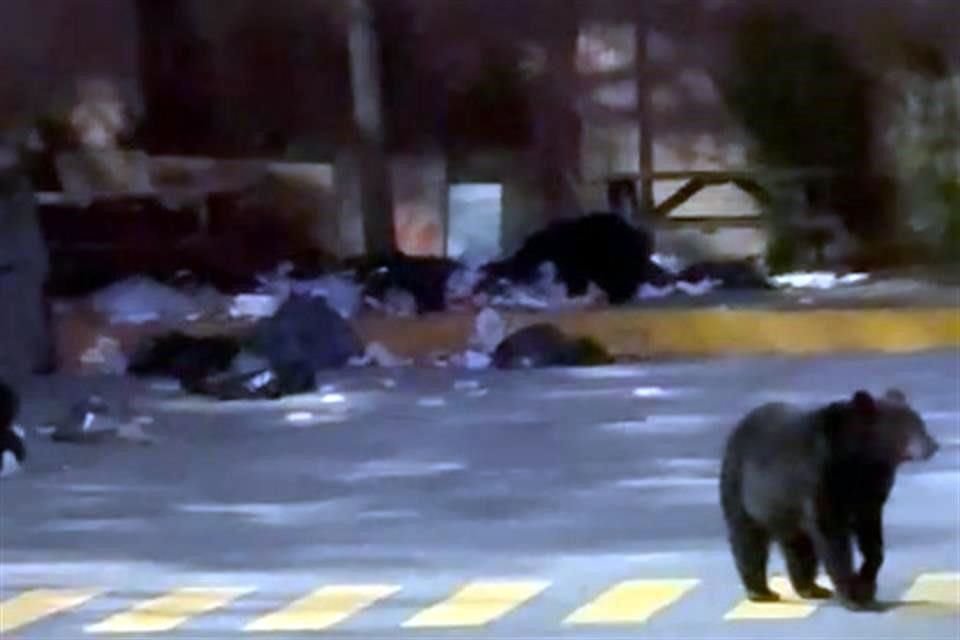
<point>696,332</point>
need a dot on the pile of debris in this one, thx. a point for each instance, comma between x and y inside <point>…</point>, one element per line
<point>271,340</point>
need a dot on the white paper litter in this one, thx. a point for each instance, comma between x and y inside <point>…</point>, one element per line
<point>547,293</point>
<point>379,355</point>
<point>489,330</point>
<point>341,292</point>
<point>254,305</point>
<point>698,288</point>
<point>105,356</point>
<point>648,291</point>
<point>138,300</point>
<point>473,360</point>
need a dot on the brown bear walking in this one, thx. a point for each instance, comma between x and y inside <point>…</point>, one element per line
<point>813,481</point>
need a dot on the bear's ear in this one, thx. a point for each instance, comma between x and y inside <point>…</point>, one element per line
<point>895,395</point>
<point>864,404</point>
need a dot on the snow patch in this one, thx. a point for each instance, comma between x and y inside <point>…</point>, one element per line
<point>9,465</point>
<point>381,469</point>
<point>650,392</point>
<point>607,372</point>
<point>817,280</point>
<point>432,401</point>
<point>662,424</point>
<point>665,482</point>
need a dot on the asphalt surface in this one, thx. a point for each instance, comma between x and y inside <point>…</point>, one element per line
<point>535,492</point>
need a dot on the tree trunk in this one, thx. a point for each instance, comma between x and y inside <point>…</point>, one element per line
<point>643,115</point>
<point>176,78</point>
<point>558,138</point>
<point>376,196</point>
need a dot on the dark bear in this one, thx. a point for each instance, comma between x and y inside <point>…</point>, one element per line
<point>544,345</point>
<point>812,480</point>
<point>425,277</point>
<point>602,248</point>
<point>187,358</point>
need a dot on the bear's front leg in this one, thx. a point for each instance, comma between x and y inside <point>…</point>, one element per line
<point>868,527</point>
<point>831,535</point>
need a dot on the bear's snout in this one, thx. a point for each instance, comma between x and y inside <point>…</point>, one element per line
<point>921,448</point>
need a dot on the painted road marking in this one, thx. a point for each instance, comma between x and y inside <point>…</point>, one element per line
<point>477,604</point>
<point>31,606</point>
<point>934,593</point>
<point>323,608</point>
<point>168,611</point>
<point>790,607</point>
<point>632,601</point>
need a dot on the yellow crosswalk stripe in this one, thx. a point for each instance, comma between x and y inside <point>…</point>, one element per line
<point>168,611</point>
<point>31,606</point>
<point>790,606</point>
<point>934,593</point>
<point>632,601</point>
<point>323,608</point>
<point>477,604</point>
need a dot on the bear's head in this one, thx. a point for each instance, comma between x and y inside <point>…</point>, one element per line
<point>886,429</point>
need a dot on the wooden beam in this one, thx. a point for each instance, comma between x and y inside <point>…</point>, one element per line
<point>679,197</point>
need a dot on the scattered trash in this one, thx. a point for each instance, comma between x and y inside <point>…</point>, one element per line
<point>388,383</point>
<point>464,385</point>
<point>489,330</point>
<point>547,292</point>
<point>462,284</point>
<point>339,290</point>
<point>254,305</point>
<point>699,288</point>
<point>475,360</point>
<point>477,393</point>
<point>399,302</point>
<point>92,422</point>
<point>265,384</point>
<point>649,291</point>
<point>105,356</point>
<point>669,263</point>
<point>139,300</point>
<point>432,401</point>
<point>379,355</point>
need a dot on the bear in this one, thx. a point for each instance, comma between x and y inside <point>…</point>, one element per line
<point>600,247</point>
<point>544,345</point>
<point>812,480</point>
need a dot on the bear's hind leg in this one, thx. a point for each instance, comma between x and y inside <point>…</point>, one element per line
<point>750,543</point>
<point>801,556</point>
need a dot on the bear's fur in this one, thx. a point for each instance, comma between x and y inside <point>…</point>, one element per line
<point>602,248</point>
<point>812,480</point>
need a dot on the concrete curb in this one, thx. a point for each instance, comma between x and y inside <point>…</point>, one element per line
<point>697,332</point>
